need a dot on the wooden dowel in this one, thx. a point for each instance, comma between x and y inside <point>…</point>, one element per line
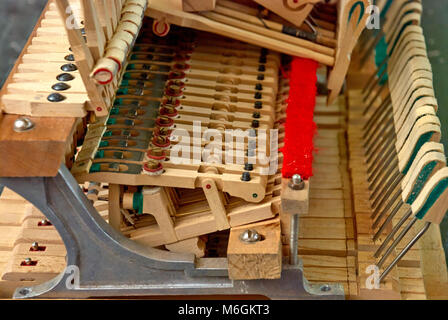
<point>105,18</point>
<point>271,25</point>
<point>118,9</point>
<point>112,8</point>
<point>270,33</point>
<point>96,40</point>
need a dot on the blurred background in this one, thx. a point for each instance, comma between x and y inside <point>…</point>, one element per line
<point>18,17</point>
<point>17,20</point>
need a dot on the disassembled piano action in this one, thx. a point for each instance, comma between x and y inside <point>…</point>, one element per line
<point>209,147</point>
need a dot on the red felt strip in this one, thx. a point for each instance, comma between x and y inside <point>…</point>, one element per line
<point>299,126</point>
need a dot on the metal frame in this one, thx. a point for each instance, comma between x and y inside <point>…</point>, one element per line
<point>103,263</point>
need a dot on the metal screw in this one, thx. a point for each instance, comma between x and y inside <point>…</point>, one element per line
<point>35,246</point>
<point>296,182</point>
<point>56,97</point>
<point>23,124</point>
<point>248,166</point>
<point>245,176</point>
<point>44,222</point>
<point>70,57</point>
<point>28,261</point>
<point>24,291</point>
<point>60,86</point>
<point>258,104</point>
<point>250,236</point>
<point>255,123</point>
<point>325,288</point>
<point>69,67</point>
<point>65,77</point>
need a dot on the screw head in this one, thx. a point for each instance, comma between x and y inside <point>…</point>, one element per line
<point>35,246</point>
<point>296,182</point>
<point>70,57</point>
<point>69,67</point>
<point>44,222</point>
<point>248,166</point>
<point>245,176</point>
<point>60,86</point>
<point>255,124</point>
<point>250,236</point>
<point>28,261</point>
<point>65,77</point>
<point>56,97</point>
<point>25,291</point>
<point>325,288</point>
<point>23,124</point>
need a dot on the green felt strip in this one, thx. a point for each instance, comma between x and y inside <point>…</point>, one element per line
<point>96,167</point>
<point>435,194</point>
<point>421,141</point>
<point>137,202</point>
<point>421,181</point>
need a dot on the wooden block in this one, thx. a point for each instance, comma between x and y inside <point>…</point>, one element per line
<point>295,201</point>
<point>259,260</point>
<point>47,144</point>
